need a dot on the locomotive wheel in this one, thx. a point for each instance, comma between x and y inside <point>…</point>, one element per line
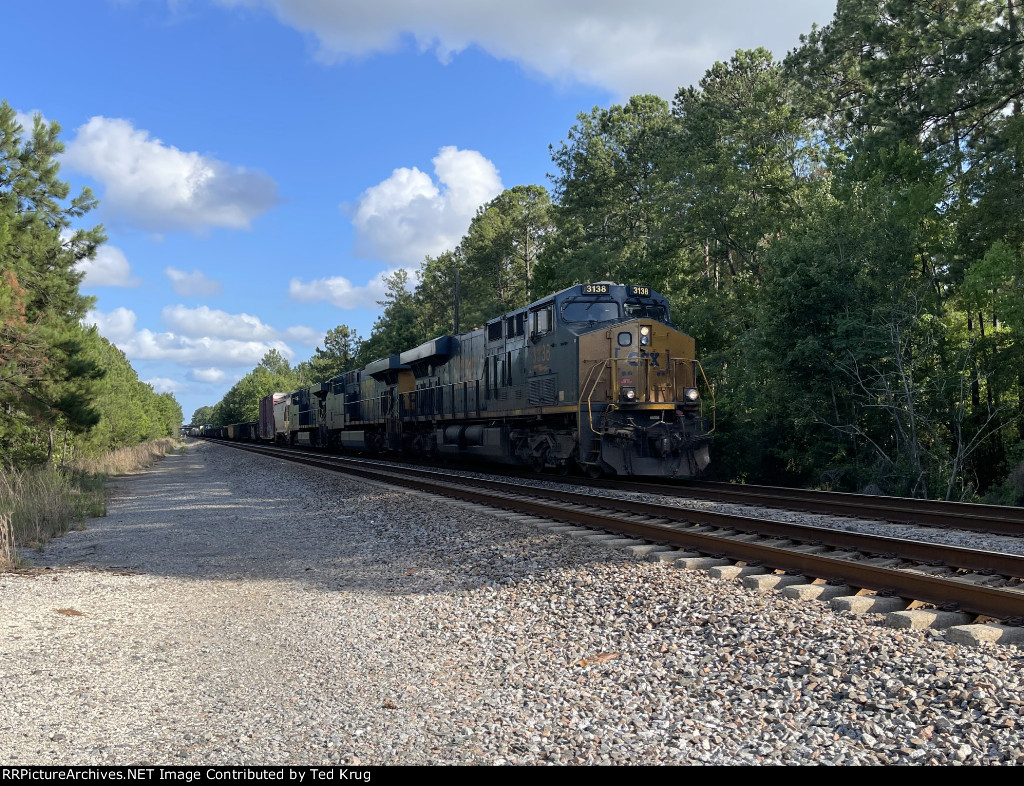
<point>594,471</point>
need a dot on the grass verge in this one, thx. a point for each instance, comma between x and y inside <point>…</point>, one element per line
<point>39,504</point>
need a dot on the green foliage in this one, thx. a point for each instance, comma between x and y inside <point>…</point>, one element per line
<point>341,346</point>
<point>919,104</point>
<point>275,363</point>
<point>742,157</point>
<point>46,374</point>
<point>63,388</point>
<point>499,254</point>
<point>398,328</point>
<point>611,192</point>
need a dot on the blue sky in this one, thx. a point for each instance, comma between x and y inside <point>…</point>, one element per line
<point>261,164</point>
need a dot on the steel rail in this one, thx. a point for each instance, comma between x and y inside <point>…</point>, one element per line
<point>967,516</point>
<point>999,519</point>
<point>910,583</point>
<point>1005,564</point>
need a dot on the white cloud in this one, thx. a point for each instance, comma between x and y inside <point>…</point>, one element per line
<point>408,216</point>
<point>159,187</point>
<point>110,268</point>
<point>339,292</point>
<point>205,321</point>
<point>194,284</point>
<point>207,352</point>
<point>208,375</point>
<point>305,336</point>
<point>204,351</point>
<point>116,326</point>
<point>164,385</point>
<point>645,46</point>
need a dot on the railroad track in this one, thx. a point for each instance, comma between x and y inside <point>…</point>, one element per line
<point>908,573</point>
<point>968,516</point>
<point>965,516</point>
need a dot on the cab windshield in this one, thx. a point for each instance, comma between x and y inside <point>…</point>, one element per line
<point>646,311</point>
<point>585,309</point>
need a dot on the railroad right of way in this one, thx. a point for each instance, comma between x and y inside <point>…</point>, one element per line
<point>233,609</point>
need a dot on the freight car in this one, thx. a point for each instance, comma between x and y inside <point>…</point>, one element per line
<point>274,423</point>
<point>594,376</point>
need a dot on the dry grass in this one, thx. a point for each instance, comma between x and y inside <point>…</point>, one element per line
<point>125,460</point>
<point>7,554</point>
<point>39,504</point>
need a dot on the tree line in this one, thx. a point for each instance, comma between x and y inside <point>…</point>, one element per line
<point>64,390</point>
<point>841,230</point>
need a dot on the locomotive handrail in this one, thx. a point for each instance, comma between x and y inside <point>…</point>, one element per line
<point>590,382</point>
<point>590,412</point>
<point>710,390</point>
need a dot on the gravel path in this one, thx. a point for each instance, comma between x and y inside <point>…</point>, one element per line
<point>232,609</point>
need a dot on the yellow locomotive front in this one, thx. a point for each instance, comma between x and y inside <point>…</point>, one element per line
<point>640,407</point>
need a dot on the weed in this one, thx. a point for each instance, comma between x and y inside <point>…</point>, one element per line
<point>8,556</point>
<point>39,504</point>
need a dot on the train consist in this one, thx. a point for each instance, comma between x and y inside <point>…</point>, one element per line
<point>594,376</point>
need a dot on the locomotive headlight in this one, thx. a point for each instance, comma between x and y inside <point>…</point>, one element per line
<point>691,394</point>
<point>628,394</point>
<point>645,335</point>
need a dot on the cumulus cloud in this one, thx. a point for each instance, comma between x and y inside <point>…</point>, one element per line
<point>164,385</point>
<point>116,326</point>
<point>207,352</point>
<point>110,268</point>
<point>194,284</point>
<point>205,321</point>
<point>158,187</point>
<point>339,292</point>
<point>408,216</point>
<point>649,46</point>
<point>207,375</point>
<point>147,345</point>
<point>305,336</point>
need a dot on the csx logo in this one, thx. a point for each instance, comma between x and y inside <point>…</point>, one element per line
<point>633,358</point>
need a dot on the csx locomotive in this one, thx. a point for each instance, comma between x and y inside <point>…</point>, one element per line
<point>594,376</point>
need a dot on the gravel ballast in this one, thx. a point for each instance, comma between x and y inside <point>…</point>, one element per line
<point>234,609</point>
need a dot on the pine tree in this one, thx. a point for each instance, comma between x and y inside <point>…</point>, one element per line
<point>46,373</point>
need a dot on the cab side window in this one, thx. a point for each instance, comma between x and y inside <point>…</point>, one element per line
<point>540,320</point>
